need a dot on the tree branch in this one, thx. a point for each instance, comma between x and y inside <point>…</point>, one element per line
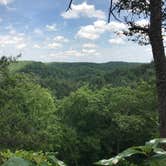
<point>69,6</point>
<point>110,10</point>
<point>135,27</point>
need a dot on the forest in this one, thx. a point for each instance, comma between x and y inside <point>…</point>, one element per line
<point>83,111</point>
<point>57,113</point>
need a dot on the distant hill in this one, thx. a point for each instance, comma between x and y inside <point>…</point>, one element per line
<point>63,78</point>
<point>102,66</point>
<point>71,70</point>
<point>19,65</point>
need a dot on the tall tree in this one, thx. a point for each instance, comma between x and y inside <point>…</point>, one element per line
<point>156,40</point>
<point>154,12</point>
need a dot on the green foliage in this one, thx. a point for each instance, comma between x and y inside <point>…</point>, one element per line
<point>29,158</point>
<point>151,154</point>
<point>27,114</point>
<point>107,121</point>
<point>64,78</point>
<point>95,121</point>
<point>16,161</point>
<point>19,65</point>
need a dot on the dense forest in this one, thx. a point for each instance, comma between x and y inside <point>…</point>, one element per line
<point>83,114</point>
<point>63,78</point>
<point>83,111</point>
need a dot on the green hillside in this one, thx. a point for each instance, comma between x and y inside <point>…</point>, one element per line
<point>64,78</point>
<point>19,65</point>
<point>83,111</point>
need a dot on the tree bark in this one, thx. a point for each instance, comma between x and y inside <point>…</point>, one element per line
<point>156,40</point>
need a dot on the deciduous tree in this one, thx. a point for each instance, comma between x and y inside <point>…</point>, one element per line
<point>154,12</point>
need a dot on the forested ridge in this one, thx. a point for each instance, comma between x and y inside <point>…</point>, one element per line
<point>85,112</point>
<point>63,78</point>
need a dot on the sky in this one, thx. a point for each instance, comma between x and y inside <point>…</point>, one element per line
<point>42,30</point>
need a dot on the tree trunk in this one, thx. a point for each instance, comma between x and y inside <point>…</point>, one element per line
<point>157,44</point>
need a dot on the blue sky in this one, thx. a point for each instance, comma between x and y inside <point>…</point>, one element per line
<point>42,31</point>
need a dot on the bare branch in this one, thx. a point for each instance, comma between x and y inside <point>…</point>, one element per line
<point>110,10</point>
<point>69,6</point>
<point>116,18</point>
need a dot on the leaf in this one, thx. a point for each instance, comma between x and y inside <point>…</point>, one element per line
<point>125,154</point>
<point>155,142</point>
<point>110,162</point>
<point>156,160</point>
<point>17,161</point>
<point>154,156</point>
<point>54,160</point>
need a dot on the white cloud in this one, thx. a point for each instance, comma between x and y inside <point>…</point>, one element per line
<point>116,26</point>
<point>100,25</point>
<point>5,2</point>
<point>21,46</point>
<point>117,41</point>
<point>73,53</point>
<point>55,45</point>
<point>36,46</point>
<point>13,39</point>
<point>8,39</point>
<point>89,45</point>
<point>94,31</point>
<point>68,53</point>
<point>51,27</point>
<point>142,23</point>
<point>61,39</point>
<point>83,10</point>
<point>57,42</point>
<point>88,32</point>
<point>89,51</point>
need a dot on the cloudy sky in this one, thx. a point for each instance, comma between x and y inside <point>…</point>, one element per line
<point>41,30</point>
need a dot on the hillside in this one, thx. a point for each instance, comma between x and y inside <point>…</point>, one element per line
<point>14,67</point>
<point>79,110</point>
<point>63,78</point>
